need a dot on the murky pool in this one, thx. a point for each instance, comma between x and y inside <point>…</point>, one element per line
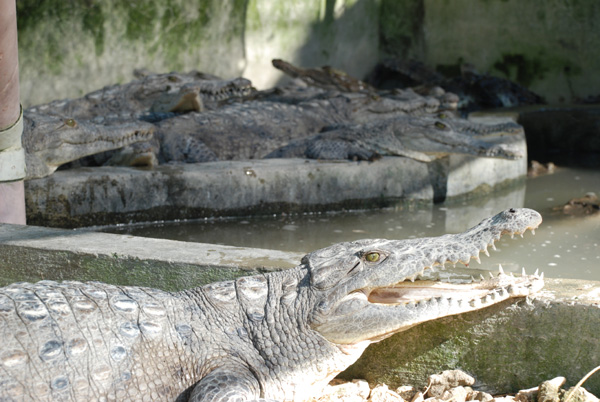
<point>563,246</point>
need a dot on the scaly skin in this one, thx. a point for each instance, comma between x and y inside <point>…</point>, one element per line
<point>50,141</point>
<point>423,138</point>
<point>280,336</point>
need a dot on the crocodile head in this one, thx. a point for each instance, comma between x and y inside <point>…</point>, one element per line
<point>371,289</point>
<point>51,141</point>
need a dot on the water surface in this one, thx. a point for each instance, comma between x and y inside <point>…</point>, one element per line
<point>563,247</point>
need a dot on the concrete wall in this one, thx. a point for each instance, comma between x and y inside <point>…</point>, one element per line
<point>552,46</point>
<point>70,48</point>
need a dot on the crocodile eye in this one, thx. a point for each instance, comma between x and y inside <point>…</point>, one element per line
<point>442,115</point>
<point>70,122</point>
<point>372,256</point>
<point>440,125</point>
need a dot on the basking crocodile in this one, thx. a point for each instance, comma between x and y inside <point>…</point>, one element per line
<point>475,90</point>
<point>421,138</point>
<point>260,123</point>
<point>277,336</point>
<point>51,141</point>
<point>151,96</point>
<point>329,78</point>
<point>116,116</point>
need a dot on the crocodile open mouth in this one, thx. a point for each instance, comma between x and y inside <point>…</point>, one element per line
<point>497,287</point>
<point>415,289</point>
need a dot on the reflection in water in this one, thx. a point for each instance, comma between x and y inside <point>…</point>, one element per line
<point>562,247</point>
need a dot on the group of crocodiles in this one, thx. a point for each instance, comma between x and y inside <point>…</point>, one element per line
<point>280,336</point>
<point>195,117</point>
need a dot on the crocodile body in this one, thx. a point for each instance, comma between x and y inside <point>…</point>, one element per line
<point>421,138</point>
<point>475,90</point>
<point>51,141</point>
<point>199,118</point>
<point>279,336</point>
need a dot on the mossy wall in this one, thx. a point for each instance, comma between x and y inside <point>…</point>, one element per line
<point>551,46</point>
<point>68,48</point>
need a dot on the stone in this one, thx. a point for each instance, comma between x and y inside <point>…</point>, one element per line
<point>456,394</point>
<point>354,391</point>
<point>579,395</point>
<point>527,395</point>
<point>549,390</point>
<point>381,393</point>
<point>439,383</point>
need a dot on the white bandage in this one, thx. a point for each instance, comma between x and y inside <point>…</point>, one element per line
<point>12,155</point>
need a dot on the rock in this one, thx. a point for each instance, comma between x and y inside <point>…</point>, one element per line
<point>480,396</point>
<point>456,394</point>
<point>439,383</point>
<point>527,395</point>
<point>355,391</point>
<point>504,399</point>
<point>549,390</point>
<point>381,393</point>
<point>407,392</point>
<point>418,397</point>
<point>579,395</point>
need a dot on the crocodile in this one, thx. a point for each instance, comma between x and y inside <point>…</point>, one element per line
<point>152,97</point>
<point>330,78</point>
<point>279,336</point>
<point>421,138</point>
<point>254,125</point>
<point>117,116</point>
<point>254,128</point>
<point>51,141</point>
<point>475,90</point>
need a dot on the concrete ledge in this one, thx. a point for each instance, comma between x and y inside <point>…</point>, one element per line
<point>110,195</point>
<point>32,253</point>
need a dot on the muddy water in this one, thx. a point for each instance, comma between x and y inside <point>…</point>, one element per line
<point>563,247</point>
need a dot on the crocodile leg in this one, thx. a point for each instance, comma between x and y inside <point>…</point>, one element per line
<point>228,385</point>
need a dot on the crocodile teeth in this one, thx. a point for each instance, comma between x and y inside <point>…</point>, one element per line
<point>486,252</point>
<point>493,246</point>
<point>491,275</point>
<point>500,270</point>
<point>536,273</point>
<point>533,232</point>
<point>523,273</point>
<point>476,258</point>
<point>481,277</point>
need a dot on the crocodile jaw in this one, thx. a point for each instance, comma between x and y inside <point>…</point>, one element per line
<point>374,309</point>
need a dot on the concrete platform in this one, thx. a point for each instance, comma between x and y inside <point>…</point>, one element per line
<point>507,347</point>
<point>111,195</point>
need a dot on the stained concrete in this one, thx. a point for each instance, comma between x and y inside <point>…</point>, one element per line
<point>510,346</point>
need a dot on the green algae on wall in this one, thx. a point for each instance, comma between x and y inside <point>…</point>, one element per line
<point>70,48</point>
<point>67,49</point>
<point>550,47</point>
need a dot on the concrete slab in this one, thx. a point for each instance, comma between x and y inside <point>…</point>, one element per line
<point>32,253</point>
<point>111,195</point>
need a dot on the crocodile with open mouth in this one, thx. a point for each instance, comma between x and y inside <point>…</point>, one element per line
<point>279,336</point>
